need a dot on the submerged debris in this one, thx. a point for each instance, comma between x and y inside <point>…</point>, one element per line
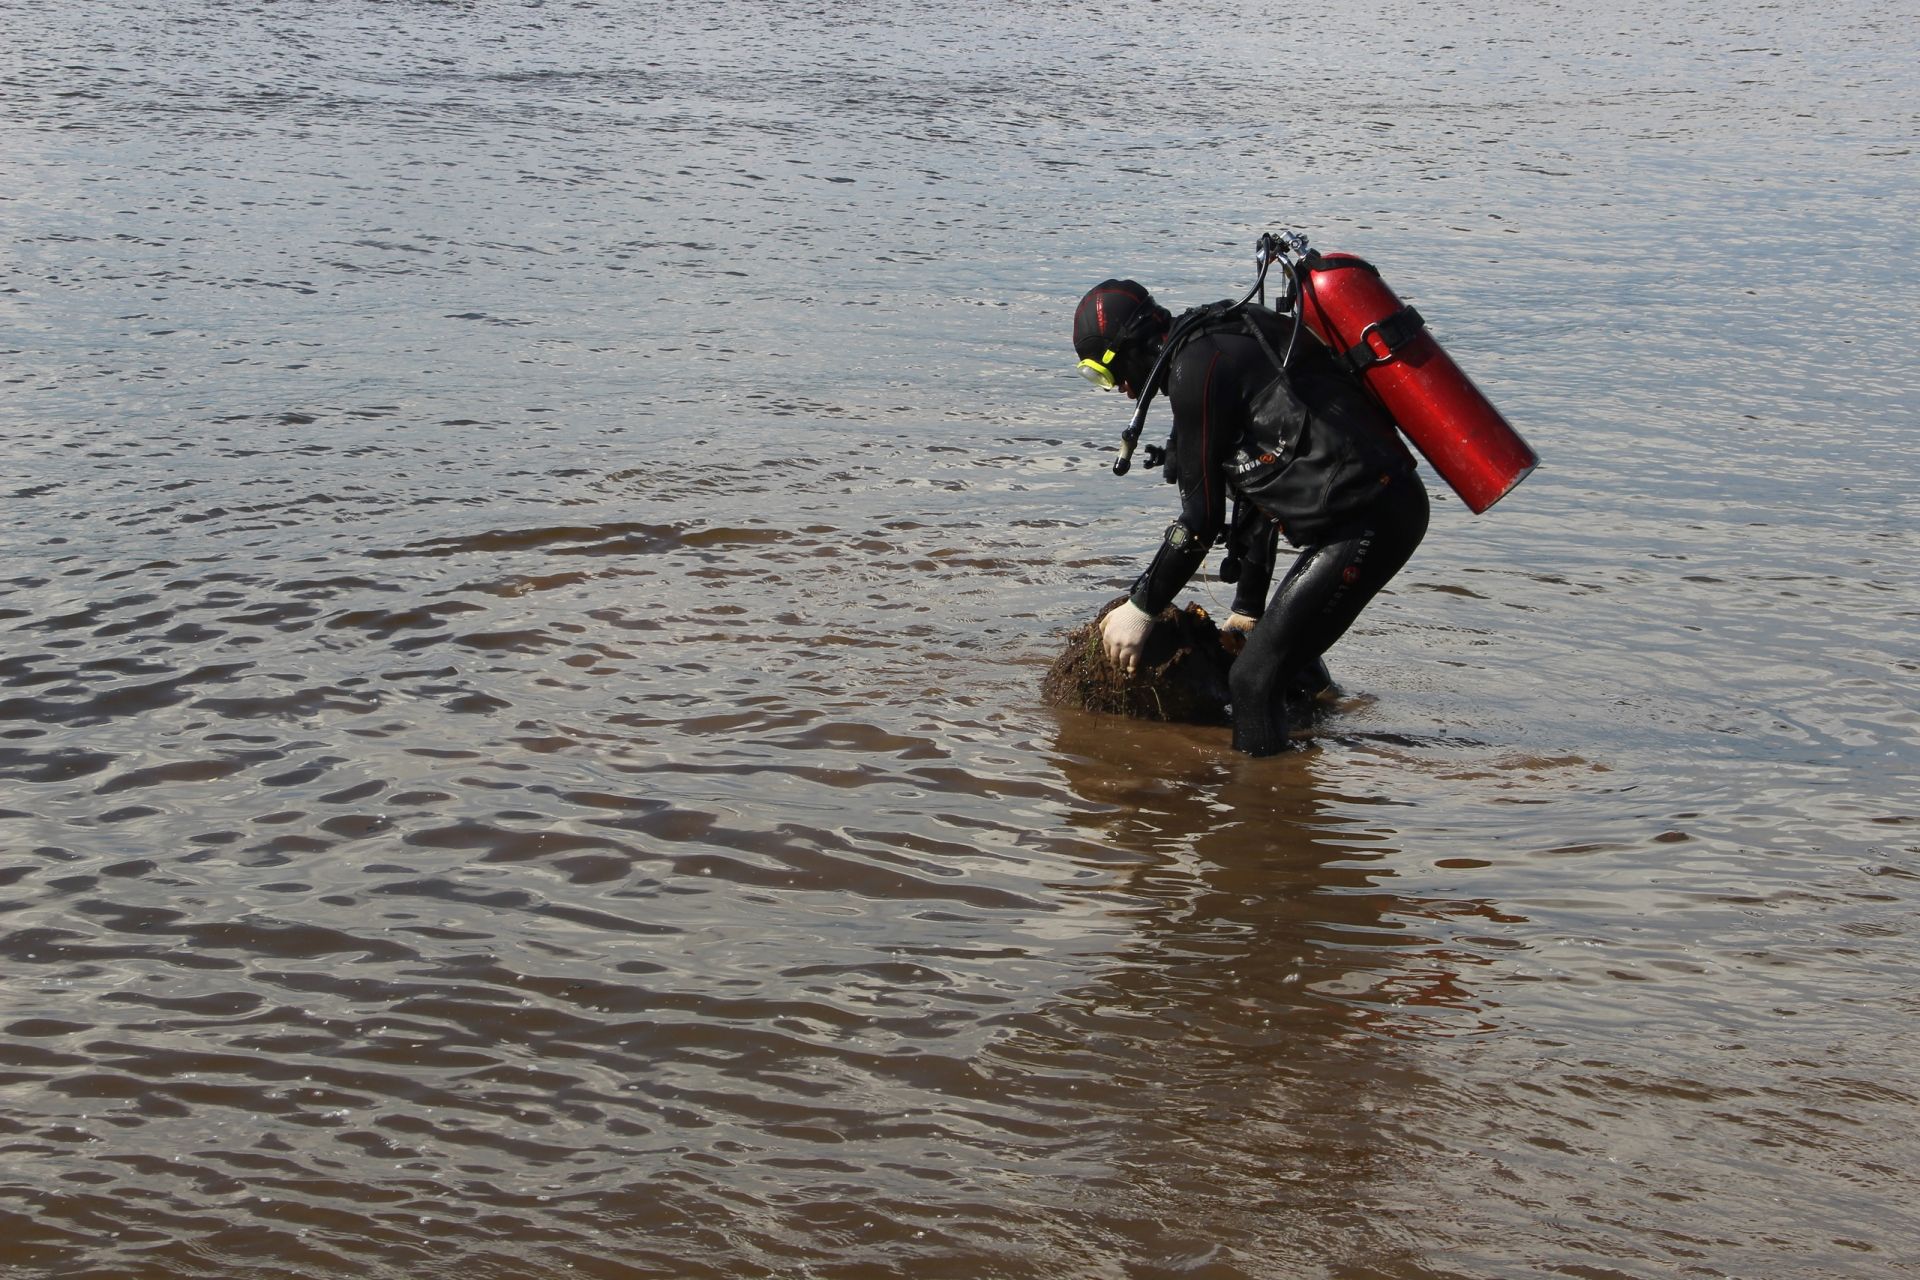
<point>1182,674</point>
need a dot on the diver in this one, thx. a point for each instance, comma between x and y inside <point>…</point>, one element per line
<point>1308,452</point>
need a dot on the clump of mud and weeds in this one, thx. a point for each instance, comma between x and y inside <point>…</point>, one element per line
<point>1182,674</point>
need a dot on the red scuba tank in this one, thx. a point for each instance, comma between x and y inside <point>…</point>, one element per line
<point>1351,309</point>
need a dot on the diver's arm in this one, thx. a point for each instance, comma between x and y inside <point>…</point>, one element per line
<point>1199,453</point>
<point>1256,540</point>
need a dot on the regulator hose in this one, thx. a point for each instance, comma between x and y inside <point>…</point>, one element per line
<point>1269,249</point>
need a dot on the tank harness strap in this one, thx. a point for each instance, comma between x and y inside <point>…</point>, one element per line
<point>1279,365</point>
<point>1190,325</point>
<point>1394,333</point>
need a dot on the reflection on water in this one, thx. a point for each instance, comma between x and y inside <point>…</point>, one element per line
<point>533,533</point>
<point>1252,1035</point>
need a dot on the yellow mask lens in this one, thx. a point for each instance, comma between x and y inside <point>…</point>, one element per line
<point>1099,372</point>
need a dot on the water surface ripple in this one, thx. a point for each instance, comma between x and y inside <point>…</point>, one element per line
<point>533,531</point>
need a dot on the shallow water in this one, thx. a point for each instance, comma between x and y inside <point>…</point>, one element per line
<point>534,532</point>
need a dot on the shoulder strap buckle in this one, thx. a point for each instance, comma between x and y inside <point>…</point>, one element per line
<point>1382,340</point>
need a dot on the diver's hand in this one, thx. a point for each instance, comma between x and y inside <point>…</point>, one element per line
<point>1240,622</point>
<point>1123,634</point>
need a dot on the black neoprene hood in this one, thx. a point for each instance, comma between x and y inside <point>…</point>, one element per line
<point>1100,322</point>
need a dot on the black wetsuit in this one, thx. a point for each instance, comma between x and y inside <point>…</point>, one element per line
<point>1319,457</point>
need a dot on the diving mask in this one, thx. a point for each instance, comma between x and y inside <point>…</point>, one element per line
<point>1100,372</point>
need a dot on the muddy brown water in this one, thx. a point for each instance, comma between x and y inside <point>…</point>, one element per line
<point>532,536</point>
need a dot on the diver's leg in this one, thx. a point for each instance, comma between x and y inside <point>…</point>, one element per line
<point>1314,605</point>
<point>1256,679</point>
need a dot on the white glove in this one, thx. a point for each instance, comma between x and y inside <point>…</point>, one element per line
<point>1240,622</point>
<point>1123,634</point>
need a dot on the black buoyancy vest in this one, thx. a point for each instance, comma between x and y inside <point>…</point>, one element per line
<point>1318,446</point>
